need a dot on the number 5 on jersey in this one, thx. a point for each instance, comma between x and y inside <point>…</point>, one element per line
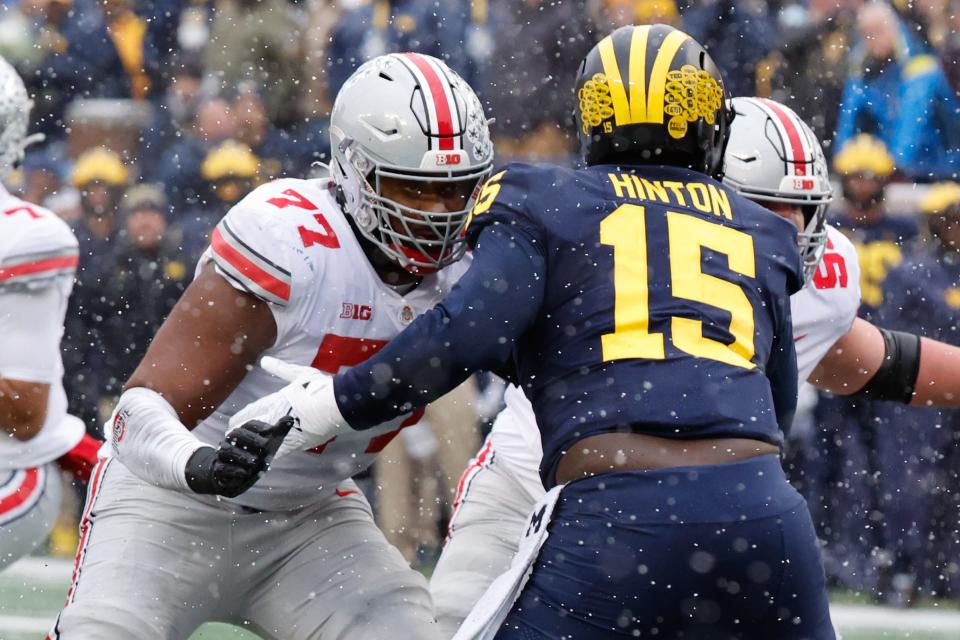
<point>625,230</point>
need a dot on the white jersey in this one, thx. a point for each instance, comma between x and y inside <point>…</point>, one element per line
<point>823,311</point>
<point>38,257</point>
<point>289,243</point>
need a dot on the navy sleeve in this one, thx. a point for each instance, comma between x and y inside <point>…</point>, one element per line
<point>473,328</point>
<point>782,370</point>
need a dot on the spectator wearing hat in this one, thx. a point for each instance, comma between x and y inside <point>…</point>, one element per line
<point>229,171</point>
<point>179,167</point>
<point>865,167</point>
<point>101,177</point>
<point>147,276</point>
<point>917,459</point>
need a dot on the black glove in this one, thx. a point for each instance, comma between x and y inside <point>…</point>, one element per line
<point>242,457</point>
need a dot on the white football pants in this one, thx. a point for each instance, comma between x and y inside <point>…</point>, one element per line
<point>154,563</point>
<point>29,506</point>
<point>492,508</point>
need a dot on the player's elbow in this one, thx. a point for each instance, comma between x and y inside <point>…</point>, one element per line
<point>27,428</point>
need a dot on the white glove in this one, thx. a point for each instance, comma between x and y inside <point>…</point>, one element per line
<point>309,398</point>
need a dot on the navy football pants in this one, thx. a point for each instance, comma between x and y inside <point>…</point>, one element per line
<point>699,553</point>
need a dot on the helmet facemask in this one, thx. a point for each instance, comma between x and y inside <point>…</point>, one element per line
<point>812,240</point>
<point>420,241</point>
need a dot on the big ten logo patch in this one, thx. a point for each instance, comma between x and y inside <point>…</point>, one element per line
<point>448,159</point>
<point>352,311</point>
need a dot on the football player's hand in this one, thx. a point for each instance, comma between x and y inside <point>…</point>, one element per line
<point>308,399</point>
<point>243,456</point>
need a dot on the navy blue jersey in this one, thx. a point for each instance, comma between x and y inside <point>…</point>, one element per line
<point>648,299</point>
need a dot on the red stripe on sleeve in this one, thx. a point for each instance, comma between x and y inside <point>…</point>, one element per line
<point>799,158</point>
<point>39,266</point>
<point>22,493</point>
<point>440,103</point>
<point>250,270</point>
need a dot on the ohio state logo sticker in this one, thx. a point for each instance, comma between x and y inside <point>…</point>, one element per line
<point>120,426</point>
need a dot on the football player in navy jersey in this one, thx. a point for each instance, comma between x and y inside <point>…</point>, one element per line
<point>644,307</point>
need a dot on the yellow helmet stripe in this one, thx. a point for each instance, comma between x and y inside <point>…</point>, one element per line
<point>608,57</point>
<point>658,75</point>
<point>638,74</point>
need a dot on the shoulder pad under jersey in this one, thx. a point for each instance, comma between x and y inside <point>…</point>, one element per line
<point>259,245</point>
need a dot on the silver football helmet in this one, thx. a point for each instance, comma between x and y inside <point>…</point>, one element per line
<point>773,156</point>
<point>15,107</point>
<point>408,117</point>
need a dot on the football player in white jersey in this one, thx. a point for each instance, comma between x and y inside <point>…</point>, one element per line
<point>773,158</point>
<point>38,257</point>
<point>184,525</point>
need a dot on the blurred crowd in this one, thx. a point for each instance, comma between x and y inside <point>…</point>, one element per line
<point>158,115</point>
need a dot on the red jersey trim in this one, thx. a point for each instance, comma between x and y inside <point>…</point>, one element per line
<point>247,268</point>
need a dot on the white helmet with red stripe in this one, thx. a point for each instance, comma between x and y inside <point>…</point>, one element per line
<point>409,117</point>
<point>773,156</point>
<point>15,107</point>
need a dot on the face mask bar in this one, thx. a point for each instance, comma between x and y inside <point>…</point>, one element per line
<point>420,241</point>
<point>812,242</point>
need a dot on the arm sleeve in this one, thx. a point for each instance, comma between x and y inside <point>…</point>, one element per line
<point>474,328</point>
<point>31,325</point>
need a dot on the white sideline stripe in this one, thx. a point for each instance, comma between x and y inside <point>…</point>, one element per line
<point>847,617</point>
<point>40,569</point>
<point>23,624</point>
<point>853,617</point>
<point>850,617</point>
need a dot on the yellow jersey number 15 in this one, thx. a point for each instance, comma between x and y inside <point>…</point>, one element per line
<point>626,231</point>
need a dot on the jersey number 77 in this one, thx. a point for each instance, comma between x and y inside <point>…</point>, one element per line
<point>626,231</point>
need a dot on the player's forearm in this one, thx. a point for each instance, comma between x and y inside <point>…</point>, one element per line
<point>938,380</point>
<point>23,407</point>
<point>474,328</point>
<point>150,440</point>
<point>203,350</point>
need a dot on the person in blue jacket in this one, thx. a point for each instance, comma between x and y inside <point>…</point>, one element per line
<point>900,94</point>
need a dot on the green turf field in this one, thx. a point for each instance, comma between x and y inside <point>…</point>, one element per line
<point>32,591</point>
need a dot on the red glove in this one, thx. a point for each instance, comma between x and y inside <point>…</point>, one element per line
<point>82,458</point>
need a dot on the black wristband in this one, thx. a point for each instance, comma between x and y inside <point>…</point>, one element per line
<point>896,378</point>
<point>199,470</point>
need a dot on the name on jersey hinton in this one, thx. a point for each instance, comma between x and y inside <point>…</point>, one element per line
<point>697,195</point>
